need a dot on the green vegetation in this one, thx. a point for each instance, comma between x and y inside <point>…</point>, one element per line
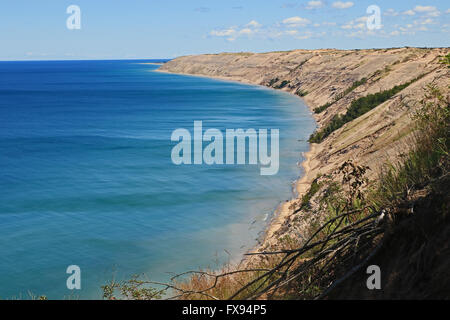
<point>133,289</point>
<point>355,85</point>
<point>314,188</point>
<point>283,84</point>
<point>357,108</point>
<point>427,160</point>
<point>301,93</point>
<point>323,107</point>
<point>446,60</point>
<point>302,63</point>
<point>273,81</point>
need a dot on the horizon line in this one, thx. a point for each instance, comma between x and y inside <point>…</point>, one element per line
<point>222,52</point>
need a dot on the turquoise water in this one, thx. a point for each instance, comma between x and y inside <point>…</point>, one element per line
<point>86,176</point>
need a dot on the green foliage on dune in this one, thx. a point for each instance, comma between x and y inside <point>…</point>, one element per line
<point>301,93</point>
<point>323,107</point>
<point>357,108</point>
<point>446,60</point>
<point>355,85</point>
<point>315,187</point>
<point>428,159</point>
<point>283,84</point>
<point>273,81</point>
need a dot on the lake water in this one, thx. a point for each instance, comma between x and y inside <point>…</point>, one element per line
<point>86,176</point>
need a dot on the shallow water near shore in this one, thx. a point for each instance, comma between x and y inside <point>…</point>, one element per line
<point>87,178</point>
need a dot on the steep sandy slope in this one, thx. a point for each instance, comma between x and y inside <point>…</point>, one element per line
<point>324,76</point>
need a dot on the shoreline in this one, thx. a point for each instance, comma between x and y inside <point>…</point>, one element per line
<point>300,186</point>
<point>284,211</point>
<point>153,63</point>
<point>228,79</point>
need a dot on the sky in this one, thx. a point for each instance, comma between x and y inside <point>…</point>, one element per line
<point>153,29</point>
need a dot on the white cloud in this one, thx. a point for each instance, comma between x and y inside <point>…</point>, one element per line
<point>427,21</point>
<point>314,5</point>
<point>358,23</point>
<point>409,13</point>
<point>361,19</point>
<point>354,26</point>
<point>424,8</point>
<point>347,26</point>
<point>417,26</point>
<point>296,22</point>
<point>305,35</point>
<point>434,14</point>
<point>223,33</point>
<point>391,12</point>
<point>246,31</point>
<point>430,11</point>
<point>232,33</point>
<point>295,34</point>
<point>447,11</point>
<point>253,24</point>
<point>342,5</point>
<point>356,34</point>
<point>291,32</point>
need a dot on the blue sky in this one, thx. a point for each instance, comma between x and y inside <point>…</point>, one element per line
<point>135,29</point>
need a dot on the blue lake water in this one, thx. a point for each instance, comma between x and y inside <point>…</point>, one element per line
<point>86,176</point>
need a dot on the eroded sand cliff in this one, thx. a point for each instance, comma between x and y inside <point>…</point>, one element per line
<point>324,76</point>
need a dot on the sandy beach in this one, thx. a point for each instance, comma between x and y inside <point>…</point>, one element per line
<point>284,211</point>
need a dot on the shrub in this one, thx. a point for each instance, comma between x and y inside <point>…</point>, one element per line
<point>273,81</point>
<point>301,93</point>
<point>355,85</point>
<point>357,108</point>
<point>446,60</point>
<point>315,186</point>
<point>283,84</point>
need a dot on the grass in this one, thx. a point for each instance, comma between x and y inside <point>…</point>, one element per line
<point>446,60</point>
<point>427,159</point>
<point>357,108</point>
